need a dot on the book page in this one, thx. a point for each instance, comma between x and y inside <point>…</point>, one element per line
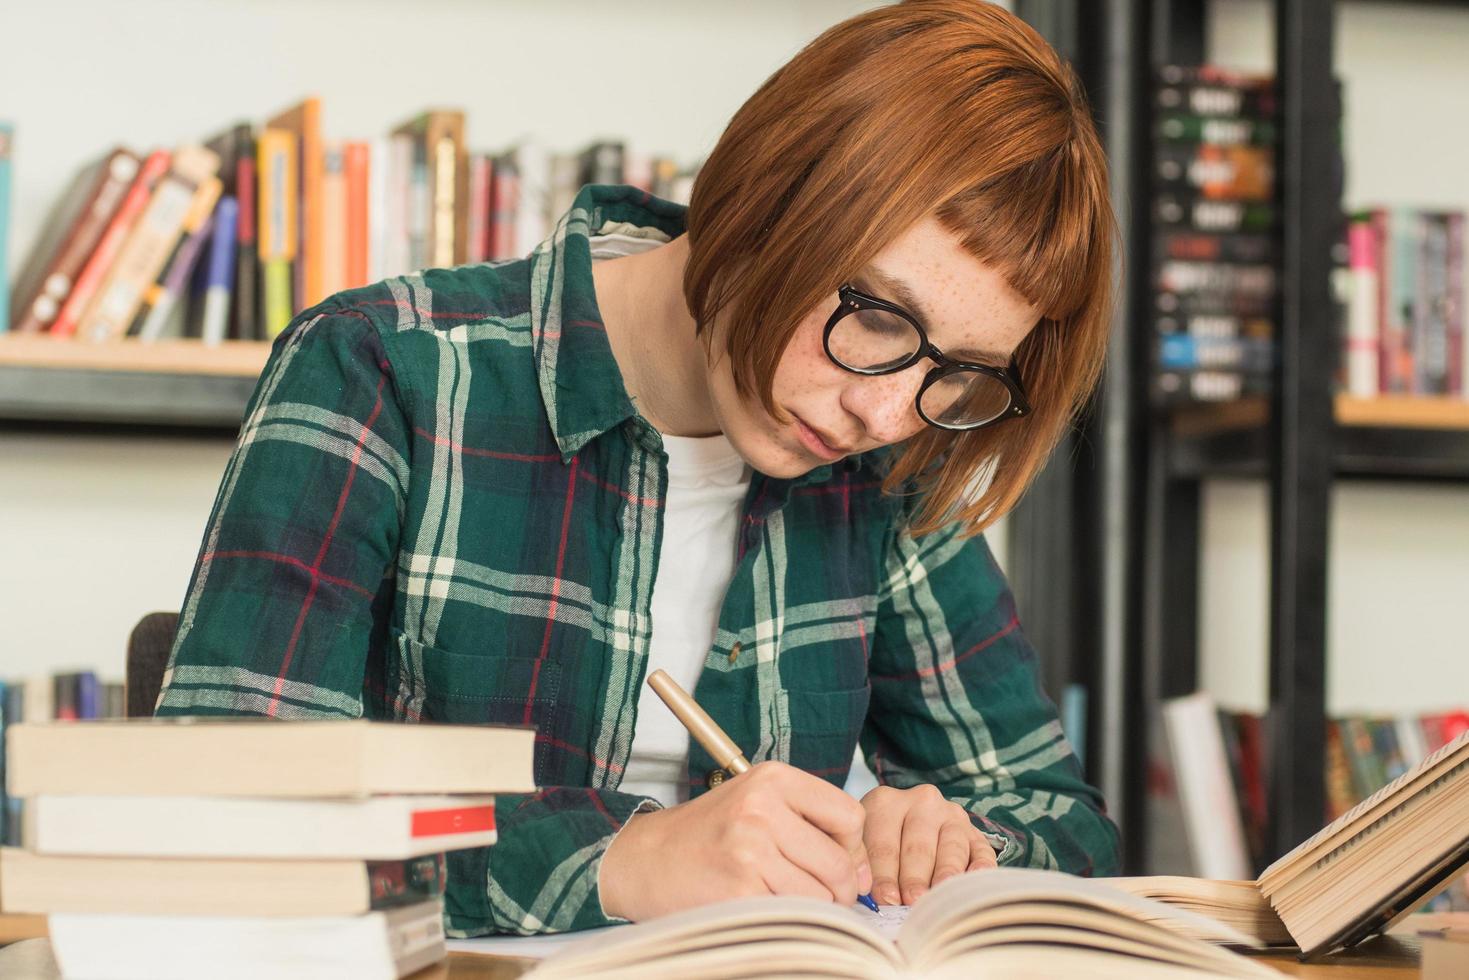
<point>969,894</point>
<point>885,923</point>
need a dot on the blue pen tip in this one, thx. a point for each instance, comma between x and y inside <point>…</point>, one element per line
<point>867,901</point>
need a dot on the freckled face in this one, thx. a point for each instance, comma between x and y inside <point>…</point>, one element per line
<point>972,314</point>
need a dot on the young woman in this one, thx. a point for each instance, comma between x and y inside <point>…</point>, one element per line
<point>753,442</point>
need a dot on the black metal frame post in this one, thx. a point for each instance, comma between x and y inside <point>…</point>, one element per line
<point>1301,428</point>
<point>1104,466</point>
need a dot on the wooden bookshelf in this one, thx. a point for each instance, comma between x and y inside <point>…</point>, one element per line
<point>235,358</point>
<point>1384,411</point>
<point>171,383</point>
<point>1389,437</point>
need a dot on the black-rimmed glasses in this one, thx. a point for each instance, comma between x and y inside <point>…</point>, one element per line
<point>867,335</point>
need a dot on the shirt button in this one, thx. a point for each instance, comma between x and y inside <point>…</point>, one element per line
<point>734,653</point>
<point>716,776</point>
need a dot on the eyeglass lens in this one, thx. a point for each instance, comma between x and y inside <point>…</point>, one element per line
<point>873,340</point>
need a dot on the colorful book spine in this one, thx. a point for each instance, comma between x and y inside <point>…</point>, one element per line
<point>358,162</point>
<point>403,236</point>
<point>333,272</point>
<point>246,322</point>
<point>1430,331</point>
<point>1363,334</point>
<point>220,276</point>
<point>7,142</point>
<point>276,236</point>
<point>504,207</point>
<point>303,122</point>
<point>479,208</point>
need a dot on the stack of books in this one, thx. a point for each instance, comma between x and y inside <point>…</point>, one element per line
<point>1405,303</point>
<point>230,237</point>
<point>1214,257</point>
<point>228,848</point>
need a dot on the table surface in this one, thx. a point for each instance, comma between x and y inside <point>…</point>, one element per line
<point>1382,958</point>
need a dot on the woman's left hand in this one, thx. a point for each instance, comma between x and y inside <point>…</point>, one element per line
<point>915,839</point>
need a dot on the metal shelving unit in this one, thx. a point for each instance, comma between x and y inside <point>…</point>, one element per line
<point>1105,550</point>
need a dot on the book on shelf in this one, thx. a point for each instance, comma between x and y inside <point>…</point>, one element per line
<point>439,187</point>
<point>219,274</point>
<point>278,236</point>
<point>1206,788</point>
<point>1404,326</point>
<point>161,298</point>
<point>111,885</point>
<point>1002,922</point>
<point>379,945</point>
<point>303,122</point>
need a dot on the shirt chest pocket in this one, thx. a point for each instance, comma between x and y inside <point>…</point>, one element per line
<point>481,688</point>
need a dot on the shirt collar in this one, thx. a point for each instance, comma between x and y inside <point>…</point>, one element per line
<point>579,380</point>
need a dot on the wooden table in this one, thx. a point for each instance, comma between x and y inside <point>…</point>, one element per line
<point>1382,958</point>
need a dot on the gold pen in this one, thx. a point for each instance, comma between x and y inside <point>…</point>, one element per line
<point>708,734</point>
<point>700,725</point>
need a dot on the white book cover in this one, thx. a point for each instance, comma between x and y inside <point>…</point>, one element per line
<point>533,219</point>
<point>377,827</point>
<point>1201,772</point>
<point>376,946</point>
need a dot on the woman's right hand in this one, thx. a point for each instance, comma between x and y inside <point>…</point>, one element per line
<point>773,830</point>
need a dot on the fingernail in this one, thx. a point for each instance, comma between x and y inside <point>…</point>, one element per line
<point>917,893</point>
<point>889,897</point>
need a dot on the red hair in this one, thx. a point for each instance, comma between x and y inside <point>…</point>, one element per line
<point>954,109</point>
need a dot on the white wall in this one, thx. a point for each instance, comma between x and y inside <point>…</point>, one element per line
<point>97,530</point>
<point>1399,570</point>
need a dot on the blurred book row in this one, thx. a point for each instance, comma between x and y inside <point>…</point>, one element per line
<point>1214,264</point>
<point>67,696</point>
<point>229,238</point>
<point>1399,273</point>
<point>1405,304</point>
<point>1218,765</point>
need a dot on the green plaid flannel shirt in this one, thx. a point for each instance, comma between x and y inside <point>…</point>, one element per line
<point>443,506</point>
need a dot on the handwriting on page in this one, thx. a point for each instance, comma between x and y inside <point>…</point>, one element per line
<point>888,923</point>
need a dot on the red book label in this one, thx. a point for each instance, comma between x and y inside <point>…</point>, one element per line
<point>458,820</point>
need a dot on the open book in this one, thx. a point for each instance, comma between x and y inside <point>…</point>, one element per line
<point>1380,860</point>
<point>1237,904</point>
<point>1004,922</point>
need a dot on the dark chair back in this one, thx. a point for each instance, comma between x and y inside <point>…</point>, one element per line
<point>148,650</point>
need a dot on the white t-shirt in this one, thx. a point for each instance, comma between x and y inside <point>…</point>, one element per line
<point>707,481</point>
